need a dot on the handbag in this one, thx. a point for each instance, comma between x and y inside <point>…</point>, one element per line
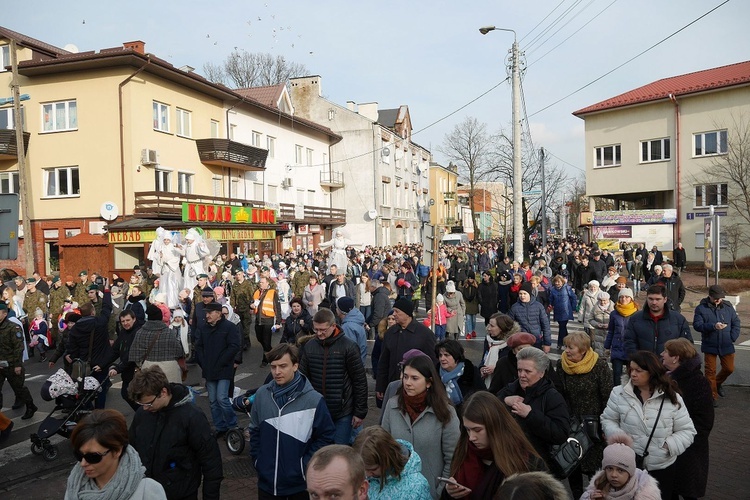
<point>640,458</point>
<point>565,457</point>
<point>80,368</point>
<point>593,427</point>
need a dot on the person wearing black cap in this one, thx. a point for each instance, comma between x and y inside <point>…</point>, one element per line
<point>532,317</point>
<point>155,345</point>
<point>406,334</point>
<point>717,322</point>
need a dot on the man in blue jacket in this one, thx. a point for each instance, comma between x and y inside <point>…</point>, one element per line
<point>651,327</point>
<point>717,322</point>
<point>289,422</point>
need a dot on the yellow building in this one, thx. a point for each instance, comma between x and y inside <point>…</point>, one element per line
<point>443,182</point>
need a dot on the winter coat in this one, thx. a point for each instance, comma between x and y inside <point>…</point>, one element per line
<point>598,318</point>
<point>643,333</point>
<point>506,372</point>
<point>121,349</point>
<point>283,440</point>
<point>433,442</point>
<point>407,290</point>
<point>645,487</point>
<point>353,326</point>
<point>713,341</point>
<point>334,368</point>
<point>675,290</point>
<point>216,348</point>
<point>615,340</point>
<point>587,394</point>
<point>77,345</point>
<point>396,342</point>
<point>692,465</point>
<point>412,485</point>
<point>471,298</point>
<point>292,328</point>
<point>625,413</point>
<point>312,298</point>
<point>563,302</point>
<point>457,306</point>
<point>176,447</point>
<point>381,304</point>
<point>548,423</point>
<point>588,303</point>
<point>532,318</point>
<point>488,298</point>
<point>349,291</point>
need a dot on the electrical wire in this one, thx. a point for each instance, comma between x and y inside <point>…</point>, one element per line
<point>554,23</point>
<point>531,51</point>
<point>540,22</point>
<point>631,59</point>
<point>565,162</point>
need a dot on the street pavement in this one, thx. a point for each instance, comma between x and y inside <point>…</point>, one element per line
<point>19,469</point>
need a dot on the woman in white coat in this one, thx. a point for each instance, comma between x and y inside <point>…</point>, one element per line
<point>634,410</point>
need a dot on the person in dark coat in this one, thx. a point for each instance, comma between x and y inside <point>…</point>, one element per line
<point>684,366</point>
<point>487,297</point>
<point>458,374</point>
<point>298,323</point>
<point>650,327</point>
<point>532,317</point>
<point>540,410</point>
<point>563,302</point>
<point>173,437</point>
<point>597,267</point>
<point>504,283</point>
<point>680,258</point>
<point>675,289</point>
<point>120,363</point>
<point>614,343</point>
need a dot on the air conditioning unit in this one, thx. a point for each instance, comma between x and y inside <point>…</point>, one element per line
<point>287,182</point>
<point>149,157</point>
<point>97,227</point>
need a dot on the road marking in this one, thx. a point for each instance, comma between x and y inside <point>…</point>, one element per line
<point>37,377</point>
<point>22,449</point>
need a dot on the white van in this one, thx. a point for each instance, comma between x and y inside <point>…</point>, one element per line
<point>455,239</point>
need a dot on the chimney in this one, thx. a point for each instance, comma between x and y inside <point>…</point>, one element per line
<point>369,110</point>
<point>137,46</point>
<point>187,68</point>
<point>351,106</point>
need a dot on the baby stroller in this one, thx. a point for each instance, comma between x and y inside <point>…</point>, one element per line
<point>236,437</point>
<point>73,401</point>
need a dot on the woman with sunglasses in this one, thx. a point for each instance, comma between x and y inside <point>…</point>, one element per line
<point>108,467</point>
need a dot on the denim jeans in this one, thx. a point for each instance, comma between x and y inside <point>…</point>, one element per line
<point>440,332</point>
<point>366,311</point>
<point>222,413</point>
<point>343,434</point>
<point>471,323</point>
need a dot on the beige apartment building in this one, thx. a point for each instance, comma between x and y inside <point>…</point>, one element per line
<point>120,142</point>
<point>654,146</point>
<point>443,190</point>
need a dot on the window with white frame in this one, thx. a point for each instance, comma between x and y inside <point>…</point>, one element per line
<point>234,187</point>
<point>216,185</point>
<point>6,119</point>
<point>61,181</point>
<point>298,150</point>
<point>185,183</point>
<point>710,143</point>
<point>183,123</point>
<point>300,197</point>
<point>4,57</point>
<point>386,189</point>
<point>607,156</point>
<point>214,129</point>
<point>271,146</point>
<point>310,197</point>
<point>255,139</point>
<point>258,191</point>
<point>161,117</point>
<point>232,129</point>
<point>58,116</point>
<point>273,193</point>
<point>711,194</point>
<point>161,180</point>
<point>9,183</point>
<point>655,150</point>
<point>309,157</point>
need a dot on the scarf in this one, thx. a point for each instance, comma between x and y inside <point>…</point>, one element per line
<point>473,468</point>
<point>282,393</point>
<point>627,309</point>
<point>450,379</point>
<point>123,484</point>
<point>603,308</point>
<point>415,405</point>
<point>581,367</point>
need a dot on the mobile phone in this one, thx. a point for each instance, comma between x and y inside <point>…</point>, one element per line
<point>448,480</point>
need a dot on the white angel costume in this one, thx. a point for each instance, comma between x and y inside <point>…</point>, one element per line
<point>154,252</point>
<point>337,253</point>
<point>195,250</point>
<point>171,280</point>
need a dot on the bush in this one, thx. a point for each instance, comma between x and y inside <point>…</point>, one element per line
<point>734,274</point>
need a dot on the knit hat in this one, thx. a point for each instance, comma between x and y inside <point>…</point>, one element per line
<point>621,279</point>
<point>526,287</point>
<point>207,292</point>
<point>471,275</point>
<point>440,299</point>
<point>625,292</point>
<point>602,295</point>
<point>411,353</point>
<point>620,453</point>
<point>345,304</point>
<point>212,306</point>
<point>153,313</point>
<point>520,338</point>
<point>450,287</point>
<point>593,283</point>
<point>161,297</point>
<point>404,305</point>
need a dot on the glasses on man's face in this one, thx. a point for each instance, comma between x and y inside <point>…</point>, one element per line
<point>147,405</point>
<point>322,330</point>
<point>91,458</point>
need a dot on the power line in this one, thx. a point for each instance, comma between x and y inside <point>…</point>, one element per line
<point>561,27</point>
<point>540,22</point>
<point>631,59</point>
<point>554,23</point>
<point>565,162</point>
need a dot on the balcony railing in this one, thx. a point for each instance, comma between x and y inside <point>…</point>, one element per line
<point>9,146</point>
<point>311,214</point>
<point>449,196</point>
<point>231,154</point>
<point>331,179</point>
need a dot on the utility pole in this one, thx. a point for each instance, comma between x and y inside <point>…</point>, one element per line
<point>518,239</point>
<point>564,218</point>
<point>28,238</point>
<point>544,200</point>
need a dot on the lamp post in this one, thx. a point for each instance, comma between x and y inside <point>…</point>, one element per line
<point>517,169</point>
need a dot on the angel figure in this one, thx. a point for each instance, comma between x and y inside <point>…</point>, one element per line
<point>194,250</point>
<point>170,279</point>
<point>337,254</point>
<point>154,252</point>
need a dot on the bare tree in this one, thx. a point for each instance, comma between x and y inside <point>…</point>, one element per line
<point>468,146</point>
<point>243,69</point>
<point>736,238</point>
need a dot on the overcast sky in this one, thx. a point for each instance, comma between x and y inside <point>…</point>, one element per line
<point>428,55</point>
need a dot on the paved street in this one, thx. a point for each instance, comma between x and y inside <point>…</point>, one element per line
<point>20,470</point>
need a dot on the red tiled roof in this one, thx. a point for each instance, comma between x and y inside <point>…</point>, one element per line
<point>31,42</point>
<point>700,81</point>
<point>84,240</point>
<point>268,95</point>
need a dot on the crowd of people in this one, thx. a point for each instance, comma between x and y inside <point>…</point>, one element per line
<point>449,426</point>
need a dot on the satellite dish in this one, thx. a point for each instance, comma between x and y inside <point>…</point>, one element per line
<point>372,214</point>
<point>109,211</point>
<point>421,203</point>
<point>385,151</point>
<point>71,48</point>
<point>420,168</point>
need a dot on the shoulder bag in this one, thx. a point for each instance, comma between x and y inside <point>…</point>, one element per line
<point>640,458</point>
<point>565,457</point>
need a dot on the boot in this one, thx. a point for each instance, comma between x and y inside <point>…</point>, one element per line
<point>30,410</point>
<point>17,404</point>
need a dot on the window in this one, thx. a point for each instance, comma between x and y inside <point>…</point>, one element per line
<point>184,183</point>
<point>258,191</point>
<point>710,143</point>
<point>161,180</point>
<point>232,129</point>
<point>183,122</point>
<point>9,183</point>
<point>61,181</point>
<point>310,197</point>
<point>57,116</point>
<point>607,156</point>
<point>385,188</point>
<point>298,154</point>
<point>711,194</point>
<point>655,150</point>
<point>256,139</point>
<point>234,186</point>
<point>271,146</point>
<point>4,57</point>
<point>214,129</point>
<point>6,119</point>
<point>216,185</point>
<point>161,117</point>
<point>300,197</point>
<point>309,157</point>
<point>273,193</point>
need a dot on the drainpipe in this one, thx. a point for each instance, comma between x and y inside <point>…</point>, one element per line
<point>375,151</point>
<point>122,129</point>
<point>677,163</point>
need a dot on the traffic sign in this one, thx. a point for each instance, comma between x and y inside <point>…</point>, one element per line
<point>533,192</point>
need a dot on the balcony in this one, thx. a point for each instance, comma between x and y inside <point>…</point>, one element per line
<point>331,179</point>
<point>311,214</point>
<point>161,204</point>
<point>8,145</point>
<point>449,221</point>
<point>231,154</point>
<point>449,196</point>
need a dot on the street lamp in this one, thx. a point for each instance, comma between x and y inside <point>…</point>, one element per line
<point>517,169</point>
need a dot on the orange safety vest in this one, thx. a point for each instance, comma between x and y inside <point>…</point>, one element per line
<point>266,306</point>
